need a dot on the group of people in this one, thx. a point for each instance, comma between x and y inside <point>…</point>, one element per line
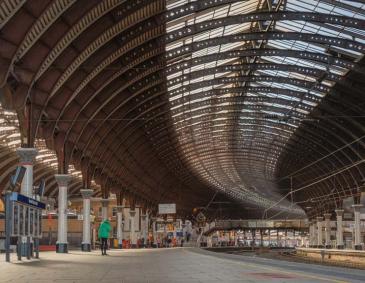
<point>104,232</point>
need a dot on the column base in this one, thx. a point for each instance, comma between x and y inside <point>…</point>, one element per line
<point>85,247</point>
<point>328,246</point>
<point>61,248</point>
<point>319,247</point>
<point>340,247</point>
<point>358,247</point>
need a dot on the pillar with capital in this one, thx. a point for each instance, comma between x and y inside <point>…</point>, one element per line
<point>144,226</point>
<point>62,181</point>
<point>327,227</point>
<point>27,157</point>
<point>319,232</point>
<point>120,226</point>
<point>86,229</point>
<point>357,228</point>
<point>339,230</point>
<point>310,233</point>
<point>154,231</point>
<point>104,208</point>
<point>133,240</point>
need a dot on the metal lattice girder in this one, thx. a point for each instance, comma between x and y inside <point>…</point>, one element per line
<point>194,97</point>
<point>264,16</point>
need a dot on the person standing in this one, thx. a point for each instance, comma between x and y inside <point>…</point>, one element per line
<point>104,230</point>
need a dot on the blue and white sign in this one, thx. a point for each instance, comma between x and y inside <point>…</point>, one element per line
<point>26,200</point>
<point>26,216</point>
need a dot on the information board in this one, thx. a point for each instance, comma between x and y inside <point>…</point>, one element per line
<point>167,208</point>
<point>26,218</point>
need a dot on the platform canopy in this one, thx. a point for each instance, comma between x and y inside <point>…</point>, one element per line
<point>250,108</point>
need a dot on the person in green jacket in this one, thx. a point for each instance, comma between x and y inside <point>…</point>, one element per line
<point>104,230</point>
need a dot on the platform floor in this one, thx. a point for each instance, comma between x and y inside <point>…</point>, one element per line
<point>168,265</point>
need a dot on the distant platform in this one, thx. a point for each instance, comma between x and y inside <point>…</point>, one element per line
<point>171,265</point>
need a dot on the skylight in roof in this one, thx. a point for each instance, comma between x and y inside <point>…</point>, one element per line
<point>287,95</point>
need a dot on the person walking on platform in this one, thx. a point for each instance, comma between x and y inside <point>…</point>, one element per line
<point>104,230</point>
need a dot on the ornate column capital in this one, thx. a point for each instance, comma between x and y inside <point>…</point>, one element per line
<point>119,208</point>
<point>27,155</point>
<point>143,216</point>
<point>319,218</point>
<point>86,193</point>
<point>327,215</point>
<point>132,213</point>
<point>62,179</point>
<point>105,202</point>
<point>357,207</point>
<point>339,212</point>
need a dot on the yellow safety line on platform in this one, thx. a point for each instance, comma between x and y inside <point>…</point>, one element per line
<point>280,270</point>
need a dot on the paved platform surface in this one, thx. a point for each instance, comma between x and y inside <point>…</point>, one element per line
<point>168,265</point>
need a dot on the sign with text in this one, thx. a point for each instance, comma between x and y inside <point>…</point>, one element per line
<point>167,208</point>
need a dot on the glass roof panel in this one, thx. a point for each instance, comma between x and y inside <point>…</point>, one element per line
<point>295,91</point>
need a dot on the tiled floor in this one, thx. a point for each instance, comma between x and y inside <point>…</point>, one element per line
<point>168,265</point>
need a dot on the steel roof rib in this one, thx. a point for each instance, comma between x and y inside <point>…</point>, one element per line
<point>181,97</point>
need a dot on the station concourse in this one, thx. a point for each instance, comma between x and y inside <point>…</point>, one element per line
<point>201,140</point>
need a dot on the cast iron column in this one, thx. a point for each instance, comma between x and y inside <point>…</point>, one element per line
<point>319,232</point>
<point>104,208</point>
<point>357,228</point>
<point>120,226</point>
<point>27,156</point>
<point>327,227</point>
<point>143,228</point>
<point>132,214</point>
<point>86,228</point>
<point>339,231</point>
<point>62,181</point>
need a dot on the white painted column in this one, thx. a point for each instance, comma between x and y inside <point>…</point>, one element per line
<point>120,226</point>
<point>311,234</point>
<point>147,226</point>
<point>26,159</point>
<point>144,228</point>
<point>327,227</point>
<point>154,232</point>
<point>339,231</point>
<point>104,208</point>
<point>133,239</point>
<point>357,228</point>
<point>27,156</point>
<point>319,232</point>
<point>86,228</point>
<point>62,181</point>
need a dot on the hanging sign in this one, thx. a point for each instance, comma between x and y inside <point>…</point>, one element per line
<point>167,208</point>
